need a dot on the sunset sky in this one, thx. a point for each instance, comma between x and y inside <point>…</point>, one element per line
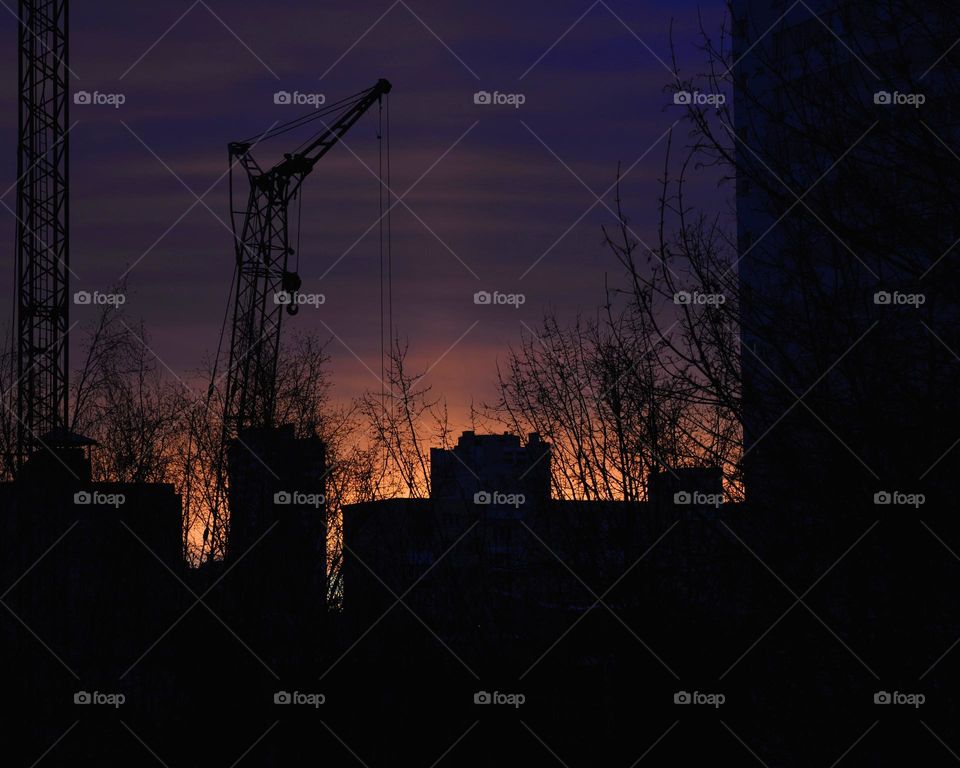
<point>506,206</point>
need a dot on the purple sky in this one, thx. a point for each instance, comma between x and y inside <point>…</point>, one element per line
<point>197,76</point>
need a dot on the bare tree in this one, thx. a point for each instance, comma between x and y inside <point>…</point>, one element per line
<point>404,421</point>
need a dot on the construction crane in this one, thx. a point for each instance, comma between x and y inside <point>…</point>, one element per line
<point>43,258</point>
<point>265,284</point>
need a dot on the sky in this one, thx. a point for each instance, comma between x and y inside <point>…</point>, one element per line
<point>501,197</point>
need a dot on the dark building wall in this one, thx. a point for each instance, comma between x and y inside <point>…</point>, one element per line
<point>877,212</point>
<point>277,541</point>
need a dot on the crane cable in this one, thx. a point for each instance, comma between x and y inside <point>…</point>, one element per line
<point>386,250</point>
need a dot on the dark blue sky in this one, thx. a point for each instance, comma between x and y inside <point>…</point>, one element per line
<point>196,76</point>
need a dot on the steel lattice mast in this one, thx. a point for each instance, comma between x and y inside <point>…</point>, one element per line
<point>42,224</point>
